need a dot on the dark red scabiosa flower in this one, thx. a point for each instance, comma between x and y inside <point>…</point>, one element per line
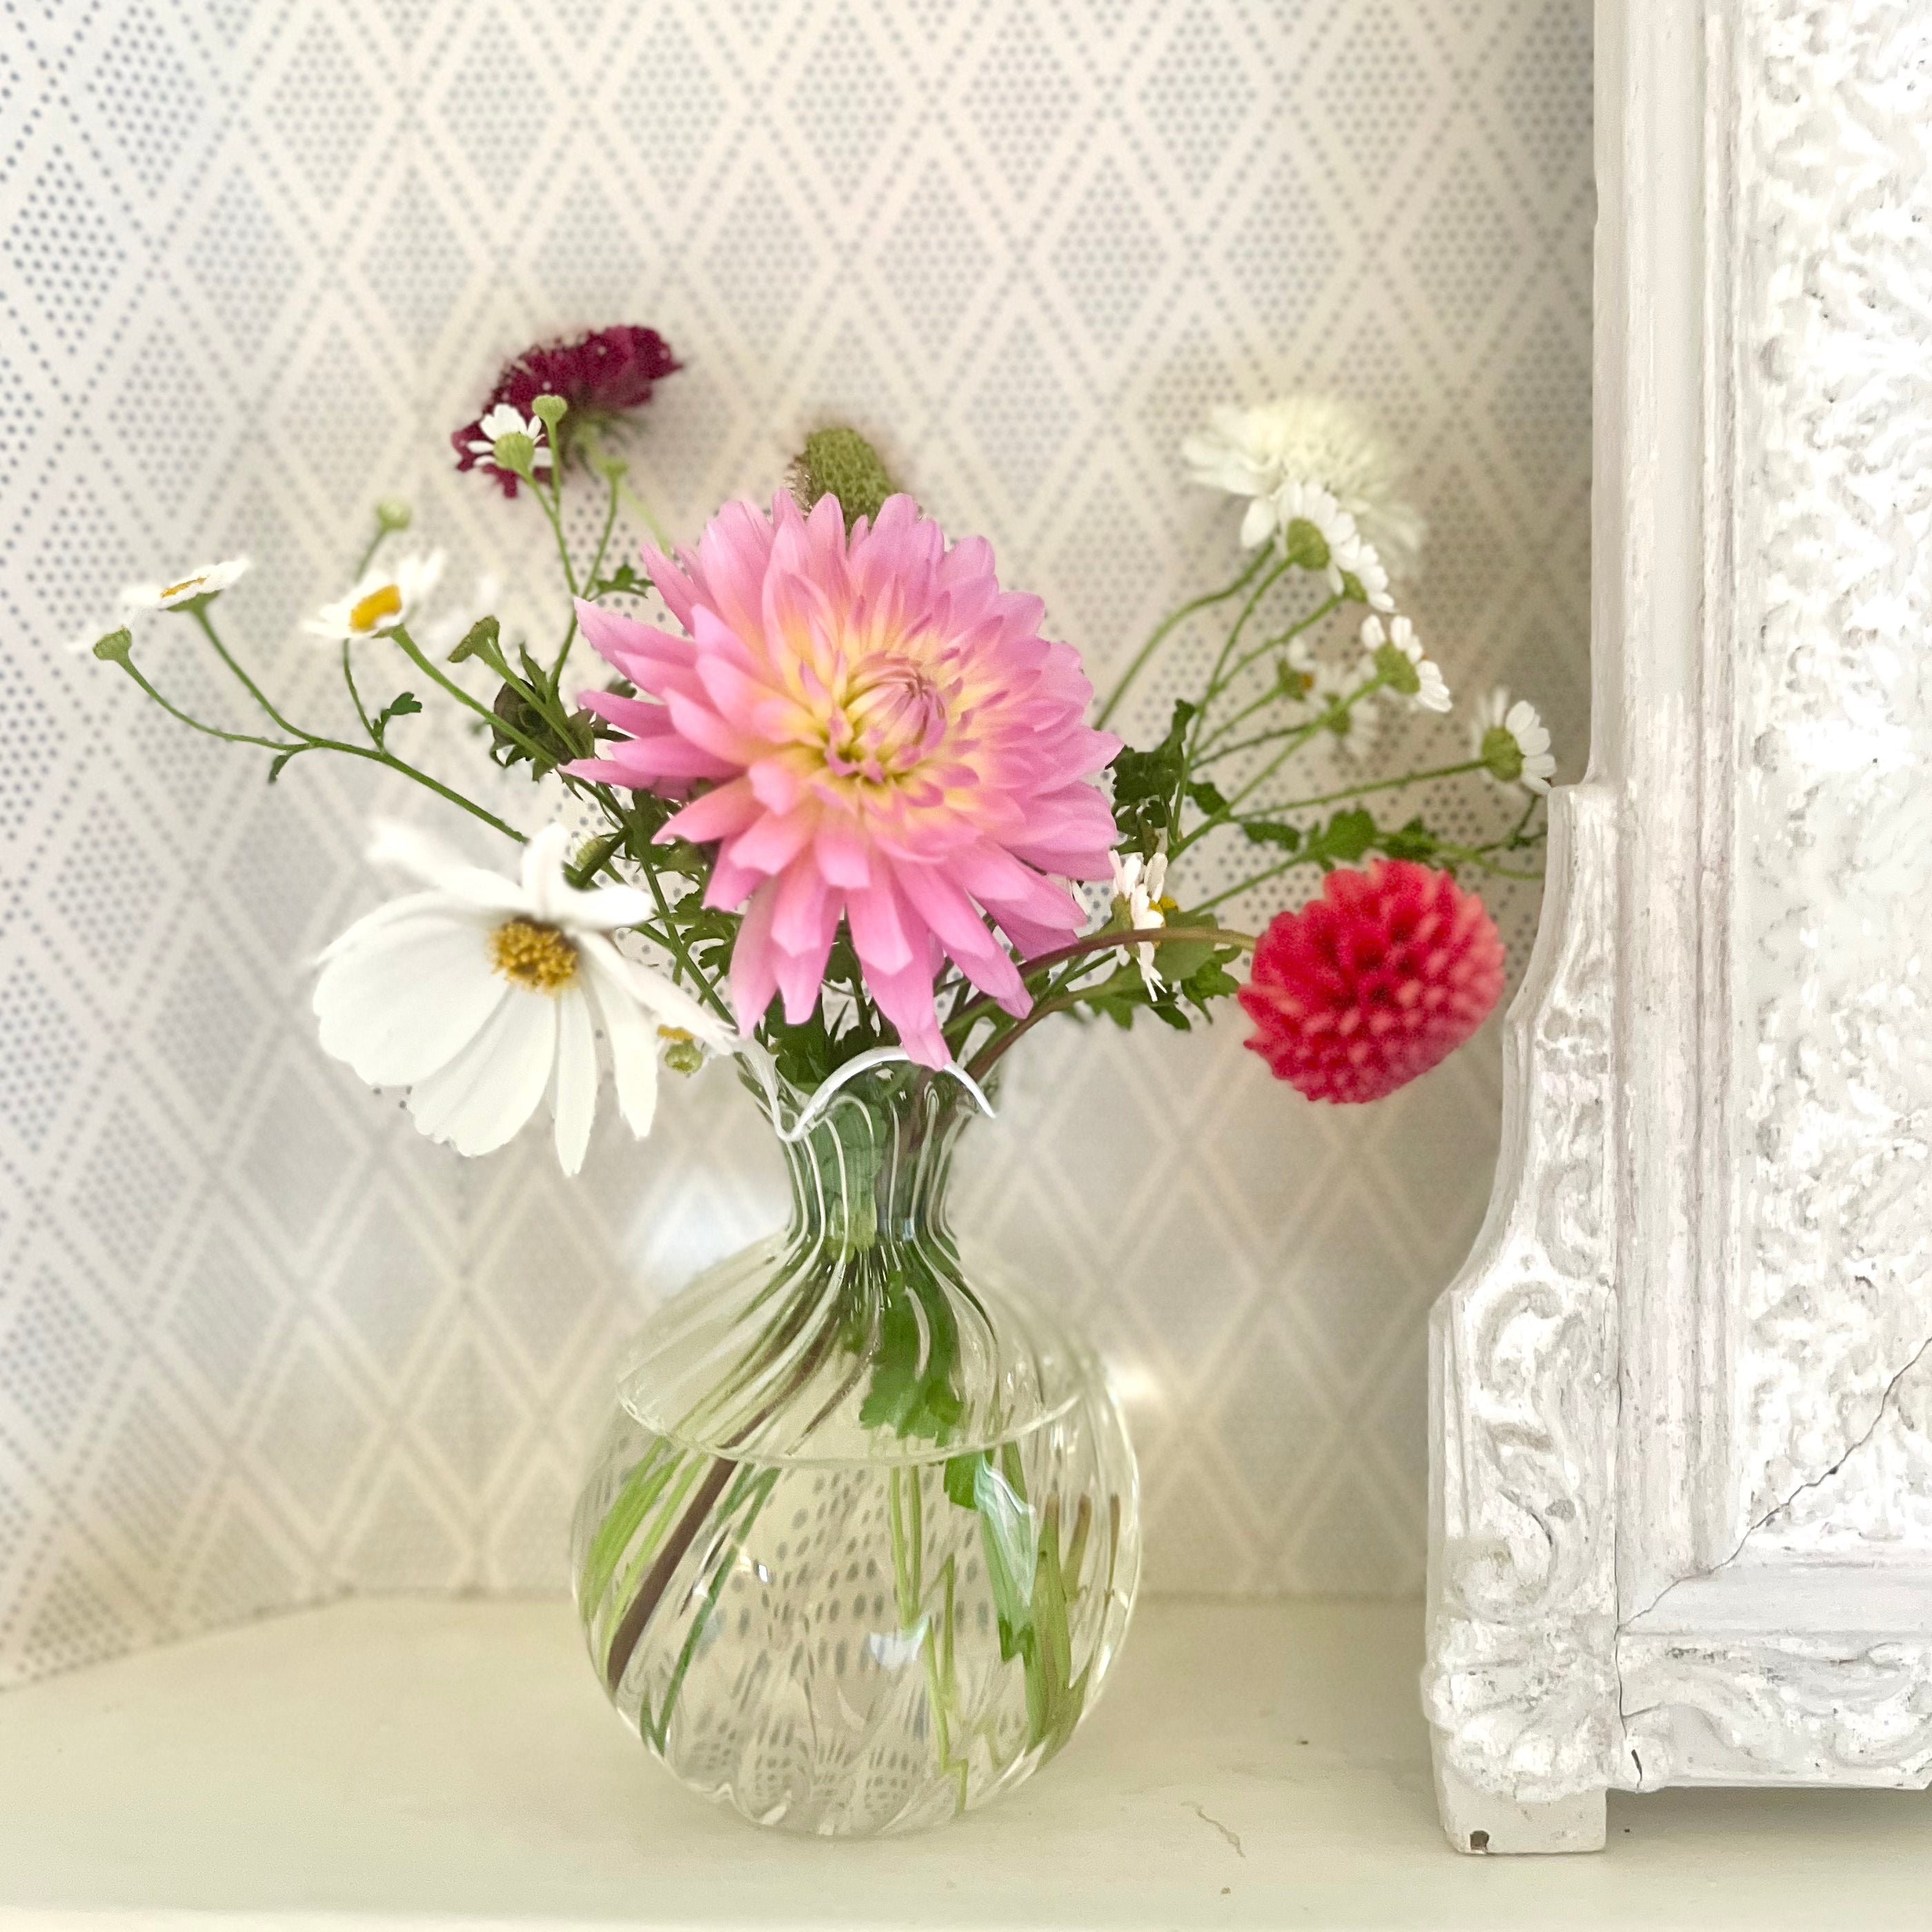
<point>601,376</point>
<point>1374,982</point>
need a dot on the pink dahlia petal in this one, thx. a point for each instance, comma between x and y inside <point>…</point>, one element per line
<point>1374,982</point>
<point>915,752</point>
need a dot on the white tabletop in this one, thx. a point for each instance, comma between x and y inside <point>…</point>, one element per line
<point>1252,1765</point>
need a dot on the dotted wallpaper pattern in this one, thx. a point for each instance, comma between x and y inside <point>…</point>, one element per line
<point>259,1342</point>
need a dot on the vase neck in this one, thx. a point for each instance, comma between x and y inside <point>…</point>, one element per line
<point>870,1162</point>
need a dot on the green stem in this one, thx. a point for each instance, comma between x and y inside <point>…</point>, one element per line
<point>195,724</point>
<point>354,696</point>
<point>1166,626</point>
<point>675,946</point>
<point>590,578</point>
<point>1361,791</point>
<point>248,683</point>
<point>1270,696</point>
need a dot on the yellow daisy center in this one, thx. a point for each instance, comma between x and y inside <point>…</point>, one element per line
<point>536,956</point>
<point>367,613</point>
<point>186,583</point>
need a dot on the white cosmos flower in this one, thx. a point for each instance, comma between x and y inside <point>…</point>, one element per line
<point>1140,884</point>
<point>1536,765</point>
<point>505,419</point>
<point>1315,440</point>
<point>1432,689</point>
<point>482,993</point>
<point>385,597</point>
<point>210,581</point>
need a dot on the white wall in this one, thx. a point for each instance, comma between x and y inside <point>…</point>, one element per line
<point>258,1342</point>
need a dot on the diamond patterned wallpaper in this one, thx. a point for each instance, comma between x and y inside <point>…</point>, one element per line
<point>259,1343</point>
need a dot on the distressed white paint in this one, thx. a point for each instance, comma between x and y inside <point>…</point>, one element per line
<point>1682,1392</point>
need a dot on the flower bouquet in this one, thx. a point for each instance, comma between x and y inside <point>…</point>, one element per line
<point>816,796</point>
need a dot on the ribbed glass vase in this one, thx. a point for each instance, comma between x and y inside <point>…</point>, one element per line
<point>863,1536</point>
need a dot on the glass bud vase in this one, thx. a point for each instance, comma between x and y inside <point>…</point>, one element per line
<point>863,1536</point>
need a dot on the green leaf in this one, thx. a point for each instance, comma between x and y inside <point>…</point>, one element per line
<point>404,704</point>
<point>1346,838</point>
<point>280,759</point>
<point>1208,796</point>
<point>1412,840</point>
<point>1270,831</point>
<point>626,580</point>
<point>1146,783</point>
<point>1211,982</point>
<point>960,1477</point>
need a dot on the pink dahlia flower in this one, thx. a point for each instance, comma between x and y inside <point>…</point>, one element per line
<point>1371,984</point>
<point>886,739</point>
<point>599,375</point>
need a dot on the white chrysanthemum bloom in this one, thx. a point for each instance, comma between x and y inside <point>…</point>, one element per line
<point>211,580</point>
<point>386,597</point>
<point>482,993</point>
<point>505,419</point>
<point>1140,884</point>
<point>1311,439</point>
<point>1513,743</point>
<point>1397,652</point>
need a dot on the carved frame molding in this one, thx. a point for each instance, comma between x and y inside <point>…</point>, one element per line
<point>1665,1544</point>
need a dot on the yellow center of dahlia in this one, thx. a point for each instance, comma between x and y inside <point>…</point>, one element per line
<point>536,956</point>
<point>889,717</point>
<point>186,583</point>
<point>371,610</point>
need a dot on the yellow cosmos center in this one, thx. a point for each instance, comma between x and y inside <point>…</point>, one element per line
<point>536,956</point>
<point>370,611</point>
<point>186,583</point>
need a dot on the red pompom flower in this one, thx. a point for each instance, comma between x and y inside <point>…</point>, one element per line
<point>1368,986</point>
<point>600,375</point>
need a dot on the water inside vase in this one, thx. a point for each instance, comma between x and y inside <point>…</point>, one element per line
<point>862,1537</point>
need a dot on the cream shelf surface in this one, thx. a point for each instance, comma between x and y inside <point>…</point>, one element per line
<point>391,1762</point>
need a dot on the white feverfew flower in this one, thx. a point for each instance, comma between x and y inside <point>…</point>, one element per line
<point>505,419</point>
<point>1315,440</point>
<point>483,994</point>
<point>386,597</point>
<point>1513,743</point>
<point>211,580</point>
<point>1140,884</point>
<point>1397,652</point>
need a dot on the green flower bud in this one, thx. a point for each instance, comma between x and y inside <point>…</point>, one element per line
<point>1307,547</point>
<point>550,411</point>
<point>1397,673</point>
<point>1501,753</point>
<point>681,1054</point>
<point>839,462</point>
<point>515,452</point>
<point>393,513</point>
<point>117,647</point>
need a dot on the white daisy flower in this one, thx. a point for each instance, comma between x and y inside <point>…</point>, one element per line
<point>1358,557</point>
<point>211,580</point>
<point>387,597</point>
<point>1311,439</point>
<point>1141,885</point>
<point>1397,652</point>
<point>1513,742</point>
<point>482,995</point>
<point>505,419</point>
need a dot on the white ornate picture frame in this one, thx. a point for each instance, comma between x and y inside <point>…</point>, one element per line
<point>1682,1392</point>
